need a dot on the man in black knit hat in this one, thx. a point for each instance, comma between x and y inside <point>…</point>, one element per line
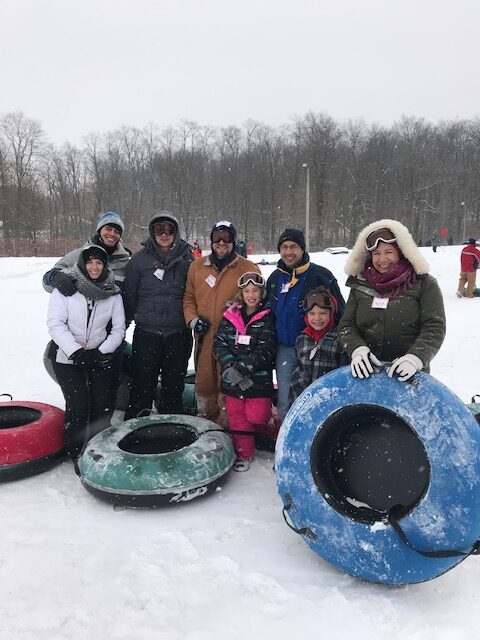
<point>287,286</point>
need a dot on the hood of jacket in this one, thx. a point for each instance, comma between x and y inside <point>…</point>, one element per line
<point>178,245</point>
<point>359,256</point>
<point>233,313</point>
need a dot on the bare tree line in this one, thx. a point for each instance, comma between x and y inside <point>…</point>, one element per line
<point>425,175</point>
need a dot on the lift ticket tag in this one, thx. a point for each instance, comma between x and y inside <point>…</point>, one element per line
<point>211,281</point>
<point>380,303</point>
<point>159,273</point>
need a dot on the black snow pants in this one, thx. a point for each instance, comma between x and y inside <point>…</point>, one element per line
<point>154,355</point>
<point>89,394</point>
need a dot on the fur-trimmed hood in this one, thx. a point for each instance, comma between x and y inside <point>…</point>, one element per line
<point>359,256</point>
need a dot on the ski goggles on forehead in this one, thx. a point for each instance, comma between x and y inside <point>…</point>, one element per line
<point>379,235</point>
<point>221,236</point>
<point>163,228</point>
<point>319,299</point>
<point>251,278</point>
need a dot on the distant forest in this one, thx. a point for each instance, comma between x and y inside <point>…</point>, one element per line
<point>425,175</point>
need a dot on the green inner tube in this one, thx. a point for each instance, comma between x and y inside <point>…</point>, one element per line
<point>474,409</point>
<point>157,455</point>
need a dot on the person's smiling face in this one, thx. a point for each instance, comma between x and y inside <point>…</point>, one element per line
<point>94,268</point>
<point>385,257</point>
<point>318,317</point>
<point>222,248</point>
<point>110,235</point>
<point>291,253</point>
<point>252,296</point>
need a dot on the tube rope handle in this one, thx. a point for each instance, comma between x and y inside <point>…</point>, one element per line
<point>7,394</point>
<point>303,531</point>
<point>398,510</point>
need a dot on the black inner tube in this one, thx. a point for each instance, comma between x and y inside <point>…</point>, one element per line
<point>158,438</point>
<point>18,416</point>
<point>365,459</point>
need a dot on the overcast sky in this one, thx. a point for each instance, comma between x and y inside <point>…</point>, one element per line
<point>93,65</point>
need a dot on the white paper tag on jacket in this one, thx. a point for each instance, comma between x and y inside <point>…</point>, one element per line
<point>285,287</point>
<point>211,281</point>
<point>313,352</point>
<point>159,273</point>
<point>380,303</point>
<point>244,339</point>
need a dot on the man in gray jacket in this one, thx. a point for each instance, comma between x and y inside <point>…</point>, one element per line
<point>107,235</point>
<point>162,342</point>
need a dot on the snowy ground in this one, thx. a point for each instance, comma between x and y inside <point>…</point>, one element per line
<point>224,567</point>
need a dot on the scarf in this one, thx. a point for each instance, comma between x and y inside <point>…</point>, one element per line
<point>92,289</point>
<point>223,262</point>
<point>281,266</point>
<point>400,278</point>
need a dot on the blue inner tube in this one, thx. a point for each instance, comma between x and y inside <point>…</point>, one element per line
<point>156,460</point>
<point>374,472</point>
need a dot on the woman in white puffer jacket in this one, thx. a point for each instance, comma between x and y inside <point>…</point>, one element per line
<point>86,329</point>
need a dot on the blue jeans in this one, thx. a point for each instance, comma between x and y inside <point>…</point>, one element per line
<point>285,362</point>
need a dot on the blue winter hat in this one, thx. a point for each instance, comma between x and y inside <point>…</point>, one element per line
<point>111,218</point>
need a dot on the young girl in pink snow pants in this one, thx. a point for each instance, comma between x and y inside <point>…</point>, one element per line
<point>245,348</point>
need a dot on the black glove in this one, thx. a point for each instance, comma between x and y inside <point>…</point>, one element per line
<point>63,283</point>
<point>77,357</point>
<point>243,368</point>
<point>89,358</point>
<point>201,326</point>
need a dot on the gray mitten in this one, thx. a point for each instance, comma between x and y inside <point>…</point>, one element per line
<point>232,376</point>
<point>245,383</point>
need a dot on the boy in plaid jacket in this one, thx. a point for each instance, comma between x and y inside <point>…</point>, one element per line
<point>317,348</point>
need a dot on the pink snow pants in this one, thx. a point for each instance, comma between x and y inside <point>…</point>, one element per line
<point>243,414</point>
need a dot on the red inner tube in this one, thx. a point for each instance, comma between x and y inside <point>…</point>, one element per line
<point>29,430</point>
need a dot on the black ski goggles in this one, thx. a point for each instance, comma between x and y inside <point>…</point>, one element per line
<point>163,229</point>
<point>251,277</point>
<point>318,298</point>
<point>379,235</point>
<point>222,235</point>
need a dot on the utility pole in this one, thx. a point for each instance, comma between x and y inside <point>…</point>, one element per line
<point>307,207</point>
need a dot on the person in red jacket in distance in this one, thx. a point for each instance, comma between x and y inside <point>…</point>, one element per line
<point>469,263</point>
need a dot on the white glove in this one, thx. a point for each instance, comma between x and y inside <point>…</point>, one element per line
<point>405,367</point>
<point>362,362</point>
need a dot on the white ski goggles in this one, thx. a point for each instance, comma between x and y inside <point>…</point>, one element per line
<point>251,277</point>
<point>379,235</point>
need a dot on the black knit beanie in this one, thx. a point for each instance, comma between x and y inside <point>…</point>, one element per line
<point>294,235</point>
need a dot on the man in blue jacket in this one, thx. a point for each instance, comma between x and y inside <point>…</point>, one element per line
<point>287,286</point>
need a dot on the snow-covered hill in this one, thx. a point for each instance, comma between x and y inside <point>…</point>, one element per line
<point>225,567</point>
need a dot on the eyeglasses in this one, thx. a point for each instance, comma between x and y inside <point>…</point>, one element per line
<point>379,235</point>
<point>251,277</point>
<point>221,236</point>
<point>317,298</point>
<point>163,229</point>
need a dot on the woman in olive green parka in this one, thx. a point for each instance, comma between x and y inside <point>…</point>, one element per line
<point>395,310</point>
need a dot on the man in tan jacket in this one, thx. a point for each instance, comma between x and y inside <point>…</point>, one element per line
<point>211,282</point>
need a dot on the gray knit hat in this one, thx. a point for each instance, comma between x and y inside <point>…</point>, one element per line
<point>111,218</point>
